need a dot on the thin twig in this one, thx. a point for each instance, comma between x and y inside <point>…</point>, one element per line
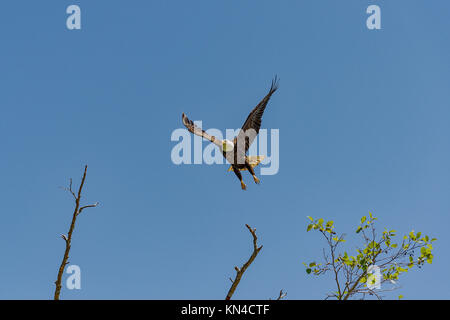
<point>240,272</point>
<point>88,206</point>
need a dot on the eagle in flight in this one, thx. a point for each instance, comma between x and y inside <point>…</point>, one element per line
<point>235,151</point>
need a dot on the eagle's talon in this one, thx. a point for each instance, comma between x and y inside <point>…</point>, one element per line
<point>243,186</point>
<point>256,180</point>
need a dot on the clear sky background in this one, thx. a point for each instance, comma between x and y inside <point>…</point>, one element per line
<point>363,118</point>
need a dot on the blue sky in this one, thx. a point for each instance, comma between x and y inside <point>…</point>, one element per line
<point>363,119</point>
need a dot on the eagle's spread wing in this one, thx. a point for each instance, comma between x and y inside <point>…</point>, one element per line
<point>196,130</point>
<point>251,127</point>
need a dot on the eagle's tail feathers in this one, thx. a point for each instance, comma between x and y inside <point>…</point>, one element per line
<point>252,160</point>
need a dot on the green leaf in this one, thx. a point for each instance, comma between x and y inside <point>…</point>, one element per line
<point>309,227</point>
<point>400,297</point>
<point>310,218</point>
<point>308,271</point>
<point>363,219</point>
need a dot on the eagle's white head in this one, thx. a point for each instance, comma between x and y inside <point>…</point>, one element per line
<point>227,145</point>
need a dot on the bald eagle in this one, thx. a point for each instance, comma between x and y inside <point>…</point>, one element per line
<point>235,151</point>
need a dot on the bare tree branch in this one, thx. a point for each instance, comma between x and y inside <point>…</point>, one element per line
<point>69,189</point>
<point>88,206</point>
<point>68,239</point>
<point>282,295</point>
<point>240,272</point>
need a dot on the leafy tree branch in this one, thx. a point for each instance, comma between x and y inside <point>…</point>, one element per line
<point>354,274</point>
